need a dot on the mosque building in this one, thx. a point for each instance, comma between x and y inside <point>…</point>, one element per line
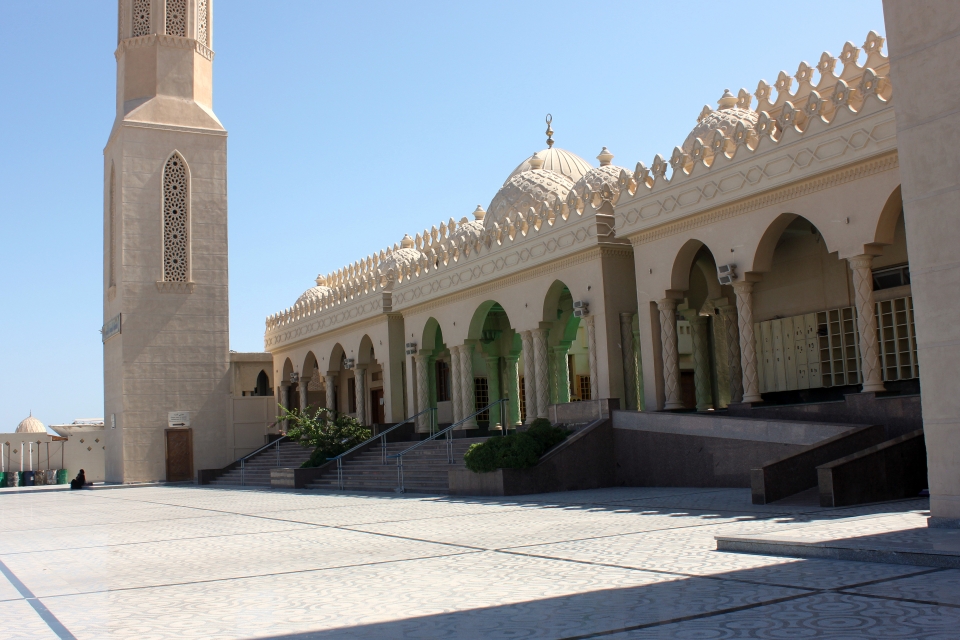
<point>783,260</point>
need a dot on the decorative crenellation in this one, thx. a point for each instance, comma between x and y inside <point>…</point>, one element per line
<point>772,116</point>
<point>168,41</point>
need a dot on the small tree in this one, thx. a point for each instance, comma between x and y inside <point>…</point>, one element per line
<point>329,433</point>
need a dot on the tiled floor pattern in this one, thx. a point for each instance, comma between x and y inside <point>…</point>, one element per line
<point>176,562</point>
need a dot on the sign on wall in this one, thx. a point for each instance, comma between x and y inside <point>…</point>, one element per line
<point>111,328</point>
<point>177,419</point>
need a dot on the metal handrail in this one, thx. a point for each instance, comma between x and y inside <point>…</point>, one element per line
<point>448,431</point>
<point>383,442</point>
<point>243,460</point>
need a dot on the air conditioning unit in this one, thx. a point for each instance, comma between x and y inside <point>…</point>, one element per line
<point>581,309</point>
<point>411,348</point>
<point>727,273</point>
<point>348,363</point>
<point>294,377</point>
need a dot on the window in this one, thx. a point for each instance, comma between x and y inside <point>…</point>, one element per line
<point>112,236</point>
<point>176,23</point>
<point>583,386</point>
<point>481,391</point>
<point>202,22</point>
<point>443,381</point>
<point>890,277</point>
<point>141,18</point>
<point>176,224</point>
<point>263,384</point>
<point>523,401</point>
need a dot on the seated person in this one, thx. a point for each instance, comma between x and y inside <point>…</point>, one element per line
<point>79,481</point>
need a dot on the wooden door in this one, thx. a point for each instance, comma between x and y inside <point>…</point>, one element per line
<point>179,455</point>
<point>376,406</point>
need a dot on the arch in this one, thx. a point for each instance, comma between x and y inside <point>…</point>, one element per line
<point>763,256</point>
<point>263,384</point>
<point>287,370</point>
<point>889,217</point>
<point>432,335</point>
<point>337,354</point>
<point>551,300</point>
<point>176,219</point>
<point>686,256</point>
<point>309,362</point>
<point>480,317</point>
<point>365,352</point>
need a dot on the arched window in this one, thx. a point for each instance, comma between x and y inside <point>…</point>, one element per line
<point>112,234</point>
<point>263,384</point>
<point>176,18</point>
<point>176,220</point>
<point>141,18</point>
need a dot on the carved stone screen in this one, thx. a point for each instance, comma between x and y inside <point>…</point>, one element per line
<point>202,22</point>
<point>176,204</point>
<point>176,24</point>
<point>141,18</point>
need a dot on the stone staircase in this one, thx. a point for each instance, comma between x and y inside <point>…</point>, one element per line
<point>257,469</point>
<point>425,470</point>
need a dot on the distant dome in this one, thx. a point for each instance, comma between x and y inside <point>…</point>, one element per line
<point>594,180</point>
<point>470,230</point>
<point>31,425</point>
<point>530,188</point>
<point>725,118</point>
<point>559,161</point>
<point>405,256</point>
<point>315,293</point>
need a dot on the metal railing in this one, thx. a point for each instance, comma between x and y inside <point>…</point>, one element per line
<point>430,411</point>
<point>243,460</point>
<point>448,432</point>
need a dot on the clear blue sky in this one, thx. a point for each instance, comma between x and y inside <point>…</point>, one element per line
<point>350,123</point>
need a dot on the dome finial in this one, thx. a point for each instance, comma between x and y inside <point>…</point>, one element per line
<point>407,242</point>
<point>479,213</point>
<point>727,100</point>
<point>549,131</point>
<point>605,157</point>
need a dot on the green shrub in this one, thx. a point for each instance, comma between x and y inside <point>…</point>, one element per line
<point>516,451</point>
<point>328,433</point>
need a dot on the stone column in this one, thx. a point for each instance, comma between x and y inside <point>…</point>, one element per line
<point>493,384</point>
<point>563,373</point>
<point>468,402</point>
<point>422,364</point>
<point>360,388</point>
<point>671,357</point>
<point>701,361</point>
<point>529,375</point>
<point>591,354</point>
<point>729,314</point>
<point>629,361</point>
<point>456,401</point>
<point>285,401</point>
<point>511,385</point>
<point>331,384</point>
<point>748,345</point>
<point>304,388</point>
<point>543,372</point>
<point>867,323</point>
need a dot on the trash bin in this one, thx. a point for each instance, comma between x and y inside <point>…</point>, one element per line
<point>3,478</point>
<point>62,476</point>
<point>40,477</point>
<point>13,479</point>
<point>51,476</point>
<point>29,479</point>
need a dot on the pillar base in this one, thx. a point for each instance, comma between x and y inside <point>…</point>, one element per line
<point>874,388</point>
<point>752,399</point>
<point>673,406</point>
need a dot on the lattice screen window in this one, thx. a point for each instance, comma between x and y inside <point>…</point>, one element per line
<point>112,236</point>
<point>141,18</point>
<point>481,390</point>
<point>202,22</point>
<point>176,215</point>
<point>120,21</point>
<point>583,384</point>
<point>176,24</point>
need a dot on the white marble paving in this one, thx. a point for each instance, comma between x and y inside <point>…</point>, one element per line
<point>180,562</point>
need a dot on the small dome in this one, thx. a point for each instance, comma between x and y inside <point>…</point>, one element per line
<point>470,230</point>
<point>725,118</point>
<point>593,181</point>
<point>31,425</point>
<point>559,161</point>
<point>315,293</point>
<point>530,188</point>
<point>405,256</point>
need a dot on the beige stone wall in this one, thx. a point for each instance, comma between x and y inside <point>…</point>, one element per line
<point>85,450</point>
<point>924,41</point>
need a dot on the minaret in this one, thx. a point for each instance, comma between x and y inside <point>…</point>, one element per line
<point>165,306</point>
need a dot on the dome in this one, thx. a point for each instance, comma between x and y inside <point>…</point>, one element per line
<point>594,180</point>
<point>561,161</point>
<point>315,293</point>
<point>31,425</point>
<point>530,188</point>
<point>469,231</point>
<point>725,118</point>
<point>405,256</point>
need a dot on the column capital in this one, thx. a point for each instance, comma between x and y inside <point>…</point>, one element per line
<point>742,286</point>
<point>666,304</point>
<point>332,374</point>
<point>862,261</point>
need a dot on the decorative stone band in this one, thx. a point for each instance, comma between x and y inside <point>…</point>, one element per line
<point>165,40</point>
<point>175,287</point>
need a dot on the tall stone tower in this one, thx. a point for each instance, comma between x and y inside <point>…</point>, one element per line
<point>165,307</point>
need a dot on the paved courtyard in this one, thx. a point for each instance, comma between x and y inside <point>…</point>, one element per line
<point>180,562</point>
